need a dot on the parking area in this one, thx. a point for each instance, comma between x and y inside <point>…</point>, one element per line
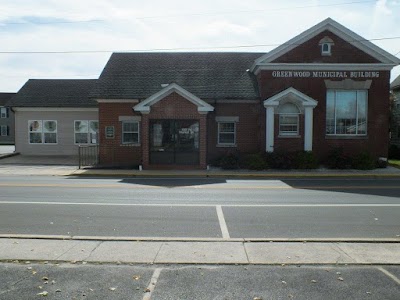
<point>70,281</point>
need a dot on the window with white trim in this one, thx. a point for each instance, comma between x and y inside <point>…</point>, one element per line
<point>42,131</point>
<point>326,49</point>
<point>130,132</point>
<point>86,131</point>
<point>4,112</point>
<point>4,130</point>
<point>346,112</point>
<point>289,120</point>
<point>227,133</point>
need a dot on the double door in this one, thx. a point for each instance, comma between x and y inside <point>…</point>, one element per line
<point>174,142</point>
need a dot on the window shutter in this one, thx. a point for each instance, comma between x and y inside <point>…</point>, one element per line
<point>8,129</point>
<point>7,113</point>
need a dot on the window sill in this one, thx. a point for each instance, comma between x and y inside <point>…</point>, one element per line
<point>289,136</point>
<point>130,145</point>
<point>346,137</point>
<point>226,145</point>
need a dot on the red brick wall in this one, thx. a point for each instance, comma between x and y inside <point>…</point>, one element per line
<point>249,130</point>
<point>310,52</point>
<point>377,139</point>
<point>175,106</point>
<point>112,151</point>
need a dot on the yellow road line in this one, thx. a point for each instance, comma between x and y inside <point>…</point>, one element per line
<point>225,187</point>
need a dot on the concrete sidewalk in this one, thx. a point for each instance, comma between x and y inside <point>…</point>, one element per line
<point>197,252</point>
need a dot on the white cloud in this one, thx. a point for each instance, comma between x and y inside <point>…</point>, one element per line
<point>156,24</point>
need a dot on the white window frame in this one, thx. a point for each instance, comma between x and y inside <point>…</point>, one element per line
<point>88,133</point>
<point>329,49</point>
<point>289,133</point>
<point>42,132</point>
<point>234,133</point>
<point>4,128</point>
<point>4,112</point>
<point>123,133</point>
<point>357,113</point>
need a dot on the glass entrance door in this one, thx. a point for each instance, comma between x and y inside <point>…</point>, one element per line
<point>174,142</point>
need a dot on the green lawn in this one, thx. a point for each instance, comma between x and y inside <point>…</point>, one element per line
<point>394,163</point>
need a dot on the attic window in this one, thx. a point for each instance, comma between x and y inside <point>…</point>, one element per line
<point>326,46</point>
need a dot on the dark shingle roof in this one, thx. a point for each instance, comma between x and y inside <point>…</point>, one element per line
<point>5,97</point>
<point>55,93</point>
<point>207,75</point>
<point>395,84</point>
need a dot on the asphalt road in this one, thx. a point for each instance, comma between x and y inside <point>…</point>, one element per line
<point>201,208</point>
<point>66,281</point>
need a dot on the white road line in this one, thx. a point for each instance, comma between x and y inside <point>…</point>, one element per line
<point>222,223</point>
<point>201,205</point>
<point>388,274</point>
<point>152,284</point>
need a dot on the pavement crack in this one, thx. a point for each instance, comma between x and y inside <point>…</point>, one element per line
<point>69,249</point>
<point>91,252</point>
<point>245,251</point>
<point>158,252</point>
<point>340,251</point>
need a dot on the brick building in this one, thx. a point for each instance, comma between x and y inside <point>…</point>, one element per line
<point>325,88</point>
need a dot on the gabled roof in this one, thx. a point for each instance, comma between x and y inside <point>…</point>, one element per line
<point>208,75</point>
<point>339,30</point>
<point>55,93</point>
<point>292,94</point>
<point>5,97</point>
<point>395,84</point>
<point>202,106</point>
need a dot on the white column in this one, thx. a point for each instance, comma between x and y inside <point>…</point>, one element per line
<point>308,128</point>
<point>270,129</point>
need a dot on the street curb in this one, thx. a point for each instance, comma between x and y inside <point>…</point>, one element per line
<point>8,155</point>
<point>177,239</point>
<point>231,175</point>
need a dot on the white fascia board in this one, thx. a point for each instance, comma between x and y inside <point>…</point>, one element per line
<point>144,106</point>
<point>306,100</point>
<point>337,29</point>
<point>56,109</point>
<point>323,67</point>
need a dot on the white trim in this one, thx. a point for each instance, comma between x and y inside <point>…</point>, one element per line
<point>42,132</point>
<point>348,84</point>
<point>269,132</point>
<point>130,118</point>
<point>219,144</point>
<point>117,100</point>
<point>322,67</point>
<point>59,109</point>
<point>226,119</point>
<point>144,106</point>
<point>138,132</point>
<point>302,98</point>
<point>88,133</point>
<point>337,29</point>
<point>308,128</point>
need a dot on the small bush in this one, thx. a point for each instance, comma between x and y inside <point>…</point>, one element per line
<point>337,159</point>
<point>280,160</point>
<point>255,161</point>
<point>394,152</point>
<point>229,161</point>
<point>364,161</point>
<point>305,160</point>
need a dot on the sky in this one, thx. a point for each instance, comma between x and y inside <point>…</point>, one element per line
<point>74,39</point>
